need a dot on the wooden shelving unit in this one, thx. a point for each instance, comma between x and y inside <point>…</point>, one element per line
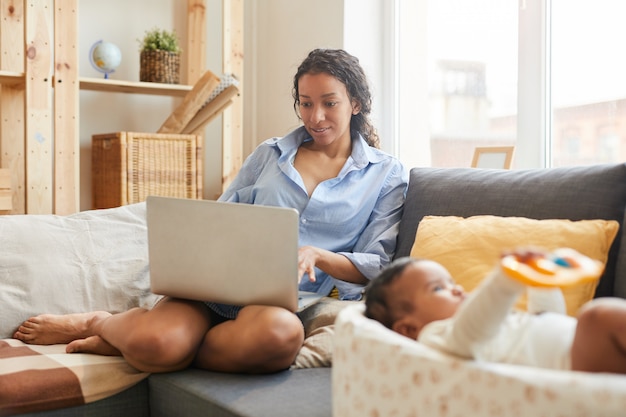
<point>39,135</point>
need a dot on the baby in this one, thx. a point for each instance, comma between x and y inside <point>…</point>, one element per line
<point>419,299</point>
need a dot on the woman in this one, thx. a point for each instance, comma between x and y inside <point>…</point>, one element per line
<point>350,197</point>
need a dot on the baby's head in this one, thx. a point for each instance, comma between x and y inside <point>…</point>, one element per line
<point>410,293</point>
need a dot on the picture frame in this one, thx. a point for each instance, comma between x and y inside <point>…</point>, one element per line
<point>493,157</point>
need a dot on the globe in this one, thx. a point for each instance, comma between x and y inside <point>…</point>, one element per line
<point>105,57</point>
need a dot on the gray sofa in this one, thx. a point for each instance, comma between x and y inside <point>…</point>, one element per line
<point>575,193</point>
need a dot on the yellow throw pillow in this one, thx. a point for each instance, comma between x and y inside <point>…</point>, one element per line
<point>470,247</point>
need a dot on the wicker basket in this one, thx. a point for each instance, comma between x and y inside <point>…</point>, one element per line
<point>160,67</point>
<point>129,166</point>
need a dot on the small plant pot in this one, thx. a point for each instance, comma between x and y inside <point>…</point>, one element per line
<point>160,67</point>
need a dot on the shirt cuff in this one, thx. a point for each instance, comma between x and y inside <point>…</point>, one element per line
<point>369,264</point>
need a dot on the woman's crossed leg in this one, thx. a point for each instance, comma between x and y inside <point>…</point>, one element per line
<point>175,334</point>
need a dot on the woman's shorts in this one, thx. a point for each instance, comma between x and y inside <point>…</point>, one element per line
<point>228,311</point>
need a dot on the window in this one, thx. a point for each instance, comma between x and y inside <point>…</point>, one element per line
<point>511,72</point>
<point>588,86</point>
<point>469,48</point>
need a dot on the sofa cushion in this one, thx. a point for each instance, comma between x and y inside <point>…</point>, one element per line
<point>575,193</point>
<point>319,327</point>
<point>92,260</point>
<point>470,247</point>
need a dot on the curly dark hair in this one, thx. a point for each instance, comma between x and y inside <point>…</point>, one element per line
<point>347,69</point>
<point>376,295</point>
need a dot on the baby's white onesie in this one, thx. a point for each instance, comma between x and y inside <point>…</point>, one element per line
<point>486,328</point>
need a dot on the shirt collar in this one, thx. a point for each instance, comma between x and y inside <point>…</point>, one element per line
<point>362,153</point>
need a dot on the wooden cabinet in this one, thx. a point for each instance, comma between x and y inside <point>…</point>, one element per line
<point>39,97</point>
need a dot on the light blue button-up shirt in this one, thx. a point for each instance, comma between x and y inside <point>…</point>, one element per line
<point>356,214</point>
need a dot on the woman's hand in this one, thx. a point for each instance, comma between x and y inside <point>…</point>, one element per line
<point>307,257</point>
<point>334,264</point>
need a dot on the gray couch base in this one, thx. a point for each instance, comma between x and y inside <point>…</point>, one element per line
<point>302,392</point>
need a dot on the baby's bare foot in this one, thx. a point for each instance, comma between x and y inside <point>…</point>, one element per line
<point>92,344</point>
<point>50,329</point>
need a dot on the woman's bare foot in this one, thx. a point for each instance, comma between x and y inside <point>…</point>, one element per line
<point>92,344</point>
<point>50,329</point>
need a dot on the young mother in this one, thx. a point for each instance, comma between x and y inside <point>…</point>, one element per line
<point>349,195</point>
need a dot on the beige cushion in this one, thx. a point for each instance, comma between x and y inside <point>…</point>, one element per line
<point>319,328</point>
<point>470,247</point>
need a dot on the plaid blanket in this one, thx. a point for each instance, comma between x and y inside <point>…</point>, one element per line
<point>38,378</point>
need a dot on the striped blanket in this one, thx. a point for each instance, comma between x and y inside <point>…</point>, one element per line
<point>38,378</point>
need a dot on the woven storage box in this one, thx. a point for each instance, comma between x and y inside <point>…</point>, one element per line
<point>129,166</point>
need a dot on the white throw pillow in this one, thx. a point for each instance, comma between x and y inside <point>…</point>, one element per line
<point>92,260</point>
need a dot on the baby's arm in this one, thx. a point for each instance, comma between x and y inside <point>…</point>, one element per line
<point>480,316</point>
<point>478,319</point>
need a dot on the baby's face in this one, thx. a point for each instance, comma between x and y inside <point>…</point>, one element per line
<point>431,290</point>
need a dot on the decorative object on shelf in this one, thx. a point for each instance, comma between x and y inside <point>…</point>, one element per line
<point>160,57</point>
<point>105,57</point>
<point>208,98</point>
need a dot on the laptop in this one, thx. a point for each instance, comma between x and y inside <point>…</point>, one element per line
<point>231,253</point>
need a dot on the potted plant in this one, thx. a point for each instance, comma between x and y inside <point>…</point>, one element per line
<point>160,57</point>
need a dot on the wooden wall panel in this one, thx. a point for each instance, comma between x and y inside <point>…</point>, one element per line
<point>12,101</point>
<point>232,126</point>
<point>38,79</point>
<point>66,109</point>
<point>195,51</point>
